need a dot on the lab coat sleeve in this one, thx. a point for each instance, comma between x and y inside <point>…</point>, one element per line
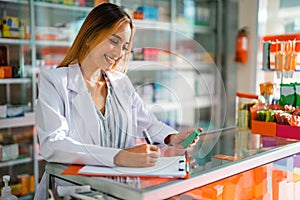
<point>53,129</point>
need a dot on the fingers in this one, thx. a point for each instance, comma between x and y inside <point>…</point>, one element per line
<point>196,138</point>
<point>153,152</point>
<point>144,155</point>
<point>187,138</point>
<point>153,148</point>
<point>151,160</point>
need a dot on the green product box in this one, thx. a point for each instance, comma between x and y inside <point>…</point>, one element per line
<point>297,94</point>
<point>287,94</point>
<point>191,138</point>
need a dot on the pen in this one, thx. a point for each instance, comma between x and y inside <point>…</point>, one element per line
<point>147,136</point>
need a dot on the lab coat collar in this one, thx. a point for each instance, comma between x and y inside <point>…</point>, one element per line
<point>83,102</point>
<point>76,82</point>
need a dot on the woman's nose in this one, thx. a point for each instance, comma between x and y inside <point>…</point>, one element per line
<point>118,52</point>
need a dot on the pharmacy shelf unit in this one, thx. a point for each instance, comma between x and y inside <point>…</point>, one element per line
<point>188,61</point>
<point>191,81</point>
<point>16,93</point>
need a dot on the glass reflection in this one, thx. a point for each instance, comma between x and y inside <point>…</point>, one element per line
<point>214,150</point>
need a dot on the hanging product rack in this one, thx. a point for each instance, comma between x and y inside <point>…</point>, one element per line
<point>280,54</point>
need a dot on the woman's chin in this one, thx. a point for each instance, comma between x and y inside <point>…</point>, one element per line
<point>108,68</point>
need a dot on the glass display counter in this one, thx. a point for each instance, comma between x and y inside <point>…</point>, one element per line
<point>218,155</point>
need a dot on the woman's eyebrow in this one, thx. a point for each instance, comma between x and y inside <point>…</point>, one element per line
<point>118,37</point>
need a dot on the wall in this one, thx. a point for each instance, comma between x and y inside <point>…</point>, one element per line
<point>229,66</point>
<point>246,73</point>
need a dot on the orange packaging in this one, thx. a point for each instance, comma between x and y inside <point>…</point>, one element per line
<point>24,179</point>
<point>2,73</point>
<point>211,191</point>
<point>260,187</point>
<point>264,128</point>
<point>226,157</point>
<point>278,176</point>
<point>247,184</point>
<point>273,129</point>
<point>229,190</point>
<point>97,2</point>
<point>31,187</point>
<point>7,71</point>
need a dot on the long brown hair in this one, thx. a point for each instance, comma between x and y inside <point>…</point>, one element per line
<point>100,23</point>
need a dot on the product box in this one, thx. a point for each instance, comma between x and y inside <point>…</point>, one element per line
<point>46,33</point>
<point>13,27</point>
<point>273,129</point>
<point>286,131</point>
<point>4,55</point>
<point>2,113</point>
<point>67,2</point>
<point>149,13</point>
<point>264,128</point>
<point>8,71</point>
<point>9,152</point>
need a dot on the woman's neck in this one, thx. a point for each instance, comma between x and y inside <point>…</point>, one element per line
<point>91,75</point>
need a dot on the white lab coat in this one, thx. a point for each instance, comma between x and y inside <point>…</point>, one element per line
<point>66,118</point>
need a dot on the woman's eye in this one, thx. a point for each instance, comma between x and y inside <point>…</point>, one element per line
<point>125,48</point>
<point>113,41</point>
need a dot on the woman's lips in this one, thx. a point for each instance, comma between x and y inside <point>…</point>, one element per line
<point>109,60</point>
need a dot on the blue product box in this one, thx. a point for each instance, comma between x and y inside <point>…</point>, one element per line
<point>149,13</point>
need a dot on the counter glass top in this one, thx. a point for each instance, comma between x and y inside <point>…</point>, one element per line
<point>217,155</point>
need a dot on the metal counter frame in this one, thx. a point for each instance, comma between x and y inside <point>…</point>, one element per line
<point>177,186</point>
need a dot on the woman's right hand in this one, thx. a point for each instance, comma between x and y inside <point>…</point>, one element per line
<point>144,155</point>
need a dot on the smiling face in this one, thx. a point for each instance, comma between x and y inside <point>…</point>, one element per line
<point>111,50</point>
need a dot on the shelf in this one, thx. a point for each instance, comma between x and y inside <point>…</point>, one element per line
<point>202,102</point>
<point>166,65</point>
<point>15,162</point>
<point>141,65</point>
<point>163,106</point>
<point>193,28</point>
<point>198,102</point>
<point>148,24</point>
<point>14,80</point>
<point>15,1</point>
<point>199,66</point>
<point>53,43</point>
<point>63,7</point>
<point>27,120</point>
<point>273,70</point>
<point>14,41</point>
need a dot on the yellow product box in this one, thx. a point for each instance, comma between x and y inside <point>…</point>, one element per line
<point>66,2</point>
<point>69,2</point>
<point>54,1</point>
<point>13,27</point>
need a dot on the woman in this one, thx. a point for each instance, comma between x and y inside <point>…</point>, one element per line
<point>88,111</point>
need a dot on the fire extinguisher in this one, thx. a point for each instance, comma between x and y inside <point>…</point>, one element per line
<point>241,49</point>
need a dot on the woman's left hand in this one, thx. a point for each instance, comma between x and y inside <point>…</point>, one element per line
<point>177,139</point>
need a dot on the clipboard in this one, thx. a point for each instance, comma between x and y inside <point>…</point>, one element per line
<point>169,167</point>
